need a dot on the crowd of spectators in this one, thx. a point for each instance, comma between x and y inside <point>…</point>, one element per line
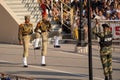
<point>100,9</point>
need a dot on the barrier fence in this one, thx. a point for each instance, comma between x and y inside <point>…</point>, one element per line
<point>4,76</point>
<point>115,27</point>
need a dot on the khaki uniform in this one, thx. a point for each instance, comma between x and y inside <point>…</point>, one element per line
<point>24,35</point>
<point>35,36</point>
<point>44,26</point>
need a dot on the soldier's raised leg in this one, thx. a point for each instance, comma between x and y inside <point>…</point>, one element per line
<point>37,41</point>
<point>56,42</point>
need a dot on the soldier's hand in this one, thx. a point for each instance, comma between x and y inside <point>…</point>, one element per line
<point>49,30</point>
<point>20,42</point>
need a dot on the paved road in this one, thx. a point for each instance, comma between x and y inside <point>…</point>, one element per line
<point>62,63</point>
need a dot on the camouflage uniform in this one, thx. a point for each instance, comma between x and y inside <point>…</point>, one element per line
<point>105,50</point>
<point>24,36</point>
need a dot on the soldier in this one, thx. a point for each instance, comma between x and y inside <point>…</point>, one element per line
<point>44,27</point>
<point>56,42</point>
<point>24,36</point>
<point>36,41</point>
<point>105,50</point>
<point>56,36</point>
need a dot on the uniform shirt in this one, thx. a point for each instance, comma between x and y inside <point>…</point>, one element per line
<point>43,26</point>
<point>25,29</point>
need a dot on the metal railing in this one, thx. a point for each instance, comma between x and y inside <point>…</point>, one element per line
<point>116,37</point>
<point>34,8</point>
<point>63,21</point>
<point>115,27</point>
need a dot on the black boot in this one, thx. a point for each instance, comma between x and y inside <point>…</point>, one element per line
<point>110,77</point>
<point>106,78</point>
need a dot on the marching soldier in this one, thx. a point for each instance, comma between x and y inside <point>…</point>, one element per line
<point>105,50</point>
<point>56,42</point>
<point>56,36</point>
<point>36,41</point>
<point>43,27</point>
<point>24,36</point>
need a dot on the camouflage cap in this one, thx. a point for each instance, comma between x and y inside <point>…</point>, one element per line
<point>27,17</point>
<point>105,26</point>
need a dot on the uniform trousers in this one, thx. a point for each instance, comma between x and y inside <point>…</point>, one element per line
<point>106,60</point>
<point>44,36</point>
<point>26,42</point>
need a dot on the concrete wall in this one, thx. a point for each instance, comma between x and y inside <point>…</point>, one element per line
<point>8,27</point>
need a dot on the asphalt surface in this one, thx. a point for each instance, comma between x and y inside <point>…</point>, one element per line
<point>62,63</point>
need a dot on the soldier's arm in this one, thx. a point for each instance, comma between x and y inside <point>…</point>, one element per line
<point>37,27</point>
<point>20,33</point>
<point>98,34</point>
<point>94,30</point>
<point>31,28</point>
<point>49,28</point>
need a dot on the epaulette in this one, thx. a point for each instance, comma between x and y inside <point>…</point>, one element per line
<point>39,23</point>
<point>21,25</point>
<point>31,24</point>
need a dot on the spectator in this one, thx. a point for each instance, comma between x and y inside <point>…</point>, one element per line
<point>118,11</point>
<point>75,28</point>
<point>43,6</point>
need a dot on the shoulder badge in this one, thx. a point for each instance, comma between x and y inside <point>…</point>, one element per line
<point>39,23</point>
<point>21,25</point>
<point>31,24</point>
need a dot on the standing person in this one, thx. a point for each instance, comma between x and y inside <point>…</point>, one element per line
<point>75,28</point>
<point>42,4</point>
<point>105,50</point>
<point>24,36</point>
<point>44,26</point>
